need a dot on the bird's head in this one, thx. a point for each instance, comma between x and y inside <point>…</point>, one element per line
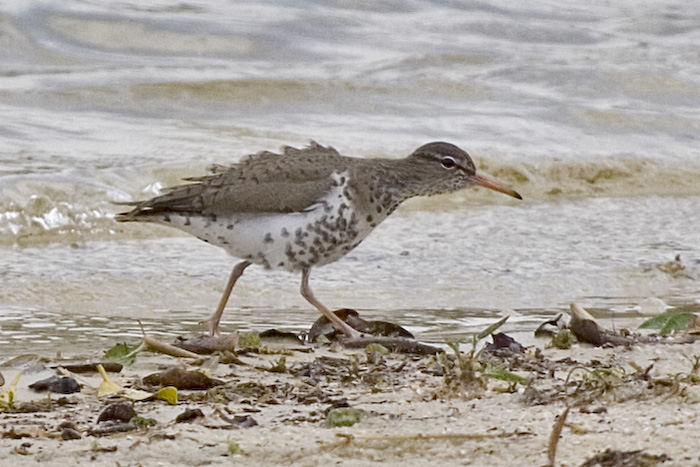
<point>443,167</point>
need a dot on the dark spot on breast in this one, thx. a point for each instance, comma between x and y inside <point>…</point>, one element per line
<point>290,254</point>
<point>373,224</point>
<point>280,264</point>
<point>379,209</point>
<point>230,226</point>
<point>369,218</point>
<point>268,238</point>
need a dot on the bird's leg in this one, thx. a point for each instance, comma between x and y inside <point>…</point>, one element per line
<point>212,322</point>
<point>309,296</point>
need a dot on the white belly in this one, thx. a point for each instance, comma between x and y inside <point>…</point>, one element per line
<point>322,234</point>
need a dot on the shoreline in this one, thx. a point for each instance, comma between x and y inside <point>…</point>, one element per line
<point>412,413</point>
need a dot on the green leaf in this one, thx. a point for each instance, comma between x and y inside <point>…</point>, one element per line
<point>123,353</point>
<point>344,416</point>
<point>504,375</point>
<point>564,339</point>
<point>491,329</point>
<point>668,322</point>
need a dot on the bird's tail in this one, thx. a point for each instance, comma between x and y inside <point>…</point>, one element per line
<point>129,216</point>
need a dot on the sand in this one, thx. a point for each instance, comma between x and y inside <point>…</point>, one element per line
<point>414,413</point>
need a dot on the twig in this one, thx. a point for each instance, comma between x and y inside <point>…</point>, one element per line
<point>162,347</point>
<point>348,438</point>
<point>554,436</point>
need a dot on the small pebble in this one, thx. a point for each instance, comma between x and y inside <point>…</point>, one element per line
<point>118,411</point>
<point>189,415</point>
<point>70,433</point>
<point>57,384</point>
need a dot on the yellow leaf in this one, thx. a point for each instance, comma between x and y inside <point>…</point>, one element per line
<point>168,394</point>
<point>135,394</point>
<point>107,387</point>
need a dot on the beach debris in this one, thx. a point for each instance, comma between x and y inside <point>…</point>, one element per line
<point>122,353</point>
<point>587,329</point>
<point>189,415</point>
<point>554,437</point>
<point>249,340</point>
<point>109,388</point>
<point>56,384</point>
<point>111,427</point>
<point>670,322</point>
<point>377,349</point>
<point>240,421</point>
<point>344,416</point>
<point>204,345</point>
<point>277,336</point>
<point>70,433</point>
<point>126,354</point>
<point>244,421</point>
<point>7,395</point>
<point>564,339</point>
<point>551,327</point>
<point>466,372</point>
<point>79,368</point>
<point>181,379</point>
<point>394,344</point>
<point>119,411</point>
<point>155,345</point>
<point>615,458</point>
<point>503,343</point>
<point>323,327</point>
<point>119,417</point>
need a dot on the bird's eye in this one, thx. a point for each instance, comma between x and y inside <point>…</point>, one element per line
<point>448,163</point>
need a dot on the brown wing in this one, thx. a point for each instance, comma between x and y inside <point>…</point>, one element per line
<point>262,183</point>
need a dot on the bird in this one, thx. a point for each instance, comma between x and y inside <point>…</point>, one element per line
<point>303,208</point>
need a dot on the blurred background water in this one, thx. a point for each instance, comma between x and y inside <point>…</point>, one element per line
<point>591,111</point>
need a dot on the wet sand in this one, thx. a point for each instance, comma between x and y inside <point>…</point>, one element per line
<point>418,410</point>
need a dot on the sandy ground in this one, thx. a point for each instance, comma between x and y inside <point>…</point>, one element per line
<point>418,410</point>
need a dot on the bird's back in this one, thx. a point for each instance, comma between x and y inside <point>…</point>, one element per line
<point>265,182</point>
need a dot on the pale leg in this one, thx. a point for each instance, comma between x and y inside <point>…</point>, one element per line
<point>213,322</point>
<point>309,296</point>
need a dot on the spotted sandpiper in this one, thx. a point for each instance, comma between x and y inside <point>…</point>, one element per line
<point>305,207</point>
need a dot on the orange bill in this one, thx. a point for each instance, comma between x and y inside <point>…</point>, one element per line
<point>487,182</point>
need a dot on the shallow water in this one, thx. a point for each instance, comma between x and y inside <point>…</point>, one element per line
<point>590,113</point>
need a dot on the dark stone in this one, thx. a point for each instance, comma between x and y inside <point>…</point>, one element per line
<point>181,379</point>
<point>120,411</point>
<point>57,384</point>
<point>189,415</point>
<point>69,434</point>
<point>244,421</point>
